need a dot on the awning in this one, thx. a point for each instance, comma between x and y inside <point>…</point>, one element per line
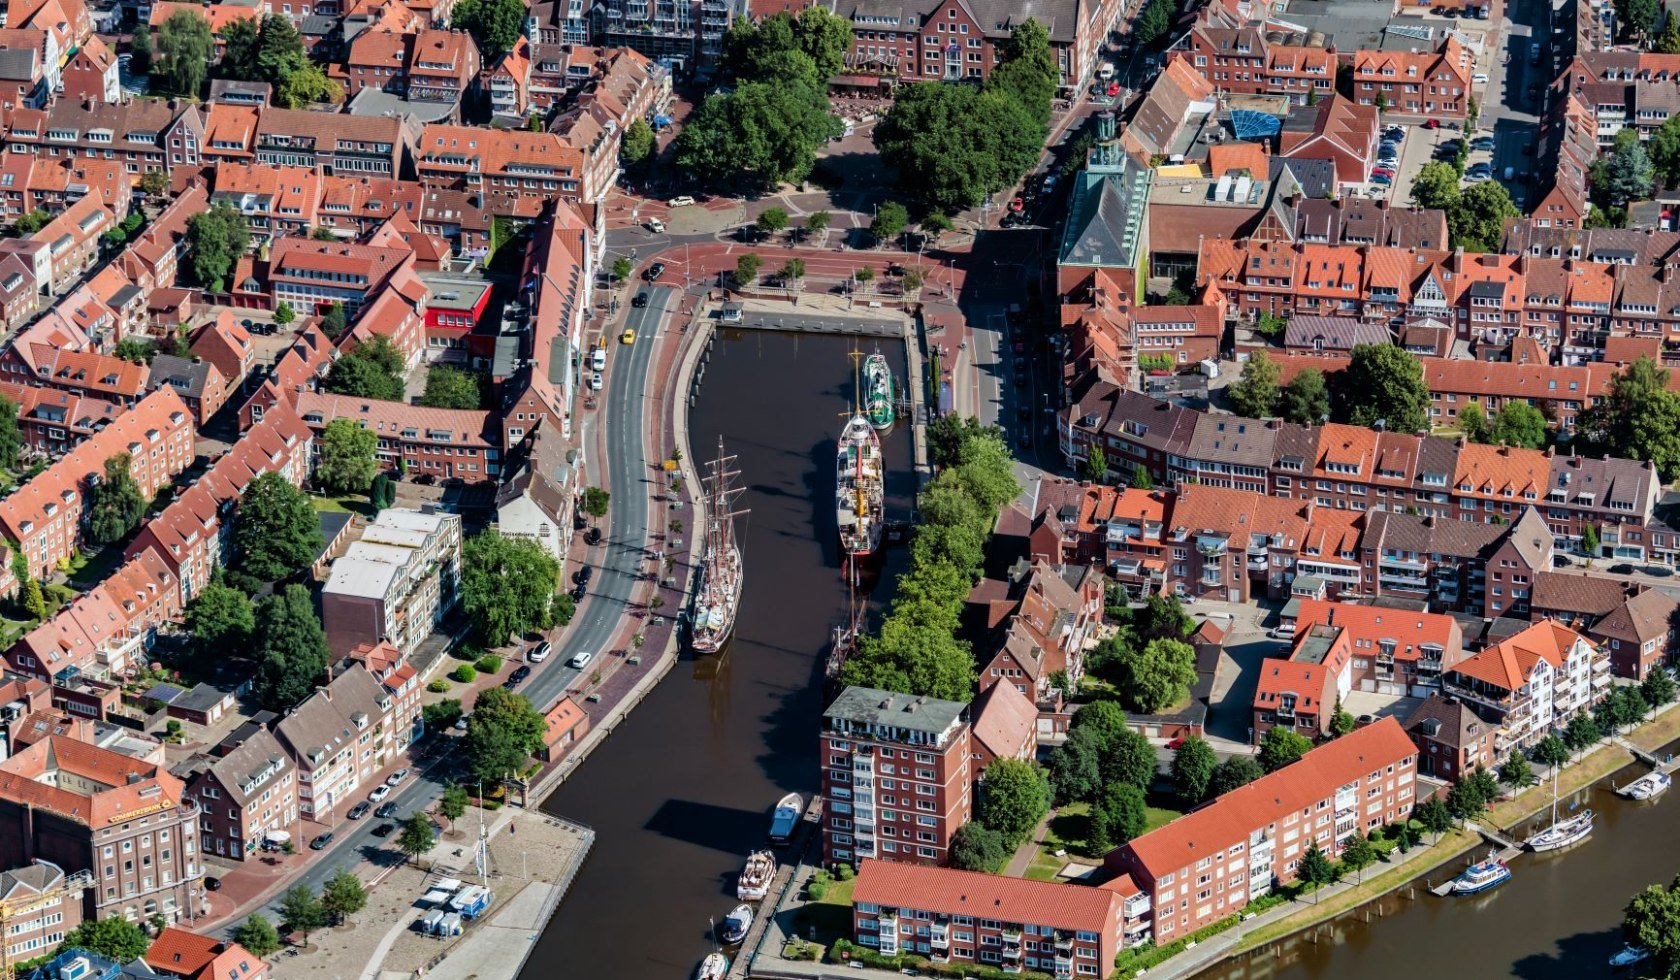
<point>277,836</point>
<point>858,81</point>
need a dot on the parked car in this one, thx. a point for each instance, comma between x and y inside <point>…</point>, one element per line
<point>1383,179</point>
<point>1660,571</point>
<point>461,723</point>
<point>212,884</point>
<point>540,652</point>
<point>1621,569</point>
<point>1482,143</point>
<point>385,830</point>
<point>592,537</point>
<point>386,809</point>
<point>359,811</point>
<point>583,574</point>
<point>396,779</point>
<point>320,843</point>
<point>519,674</point>
<point>379,793</point>
<point>1432,124</point>
<point>680,201</point>
<point>1018,205</point>
<point>1284,632</point>
<point>595,381</point>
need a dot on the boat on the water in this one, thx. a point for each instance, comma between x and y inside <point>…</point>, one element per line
<point>1629,955</point>
<point>737,925</point>
<point>878,391</point>
<point>1562,833</point>
<point>788,811</point>
<point>1646,787</point>
<point>718,596</point>
<point>859,502</point>
<point>714,967</point>
<point>1480,877</point>
<point>754,882</point>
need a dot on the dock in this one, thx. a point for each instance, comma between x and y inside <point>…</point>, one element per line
<point>790,861</point>
<point>1508,849</point>
<point>834,326</point>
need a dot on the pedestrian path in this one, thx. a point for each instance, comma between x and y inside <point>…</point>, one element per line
<point>1021,860</point>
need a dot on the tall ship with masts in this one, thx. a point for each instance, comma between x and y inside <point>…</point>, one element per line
<point>878,394</point>
<point>718,598</point>
<point>859,501</point>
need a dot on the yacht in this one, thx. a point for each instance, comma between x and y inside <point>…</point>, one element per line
<point>714,967</point>
<point>737,925</point>
<point>1646,787</point>
<point>1480,877</point>
<point>754,882</point>
<point>1562,833</point>
<point>788,811</point>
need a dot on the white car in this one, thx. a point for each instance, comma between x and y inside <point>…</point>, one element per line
<point>461,723</point>
<point>680,202</point>
<point>396,778</point>
<point>655,225</point>
<point>598,359</point>
<point>1480,78</point>
<point>580,660</point>
<point>379,793</point>
<point>595,381</point>
<point>540,652</point>
<point>1284,632</point>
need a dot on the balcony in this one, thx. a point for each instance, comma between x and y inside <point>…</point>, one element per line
<point>940,937</point>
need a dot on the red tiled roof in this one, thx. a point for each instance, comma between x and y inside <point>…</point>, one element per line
<point>128,788</point>
<point>1509,664</point>
<point>953,892</point>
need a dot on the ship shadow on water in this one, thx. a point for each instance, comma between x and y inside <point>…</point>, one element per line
<point>1583,954</point>
<point>719,828</point>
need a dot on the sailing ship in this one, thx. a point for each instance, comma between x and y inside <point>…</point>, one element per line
<point>714,967</point>
<point>878,391</point>
<point>719,594</point>
<point>737,925</point>
<point>859,502</point>
<point>1479,878</point>
<point>1646,787</point>
<point>844,637</point>
<point>754,882</point>
<point>1562,833</point>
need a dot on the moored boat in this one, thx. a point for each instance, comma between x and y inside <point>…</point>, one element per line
<point>859,502</point>
<point>1646,787</point>
<point>754,882</point>
<point>714,967</point>
<point>1480,877</point>
<point>1629,955</point>
<point>788,811</point>
<point>878,391</point>
<point>737,924</point>
<point>1563,833</point>
<point>718,596</point>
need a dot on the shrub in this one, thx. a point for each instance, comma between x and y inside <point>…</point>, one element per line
<point>464,673</point>
<point>438,686</point>
<point>489,664</point>
<point>845,872</point>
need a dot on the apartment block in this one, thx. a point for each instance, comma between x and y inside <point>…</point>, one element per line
<point>312,275</point>
<point>396,583</point>
<point>1012,924</point>
<point>340,737</point>
<point>1210,863</point>
<point>896,777</point>
<point>39,904</point>
<point>1531,683</point>
<point>246,798</point>
<point>443,443</point>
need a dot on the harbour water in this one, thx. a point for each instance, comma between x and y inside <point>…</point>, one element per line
<point>1558,918</point>
<point>682,791</point>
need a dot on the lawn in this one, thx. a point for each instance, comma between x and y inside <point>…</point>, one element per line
<point>350,503</point>
<point>88,570</point>
<point>1068,831</point>
<point>829,918</point>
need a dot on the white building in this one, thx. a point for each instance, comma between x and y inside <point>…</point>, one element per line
<point>396,583</point>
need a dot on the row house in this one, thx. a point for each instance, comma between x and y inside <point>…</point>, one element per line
<point>101,633</point>
<point>507,83</point>
<point>311,276</point>
<point>1120,529</point>
<point>351,207</point>
<point>72,239</point>
<point>44,516</point>
<point>190,535</point>
<point>29,68</point>
<point>1209,864</point>
<point>1250,58</point>
<point>199,384</point>
<point>948,40</point>
<point>1531,683</point>
<point>92,73</point>
<point>153,260</point>
<point>428,66</point>
<point>302,365</point>
<point>532,165</point>
<point>247,796</point>
<point>1638,633</point>
<point>1451,738</point>
<point>967,917</point>
<point>340,737</point>
<point>333,143</point>
<point>51,184</point>
<point>1567,149</point>
<point>1419,83</point>
<point>443,443</point>
<point>226,345</point>
<point>1233,545</point>
<point>141,134</point>
<point>558,279</point>
<point>1038,622</point>
<point>1342,647</point>
<point>276,201</point>
<point>54,421</point>
<point>1482,569</point>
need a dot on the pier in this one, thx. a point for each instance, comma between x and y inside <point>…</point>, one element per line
<point>1508,849</point>
<point>834,326</point>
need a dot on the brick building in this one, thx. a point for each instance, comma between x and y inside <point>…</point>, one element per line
<point>246,797</point>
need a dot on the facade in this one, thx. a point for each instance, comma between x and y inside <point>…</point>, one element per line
<point>1531,683</point>
<point>341,736</point>
<point>896,777</point>
<point>952,916</point>
<point>1638,633</point>
<point>1210,863</point>
<point>311,275</point>
<point>126,823</point>
<point>246,797</point>
<point>1451,738</point>
<point>443,443</point>
<point>396,583</point>
<point>39,904</point>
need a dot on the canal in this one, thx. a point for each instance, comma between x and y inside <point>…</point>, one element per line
<point>1558,918</point>
<point>683,790</point>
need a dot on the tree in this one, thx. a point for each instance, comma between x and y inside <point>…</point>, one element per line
<point>332,321</point>
<point>987,470</point>
<point>291,647</point>
<point>1014,797</point>
<point>762,133</point>
<point>947,434</point>
<point>280,51</point>
<point>373,369</point>
<point>1256,392</point>
<point>1436,186</point>
<point>220,619</point>
<point>1154,21</point>
<point>1477,221</point>
<point>453,803</point>
<point>1193,766</point>
<point>1651,921</point>
<point>115,504</point>
<point>1664,148</point>
<point>343,895</point>
<point>31,222</point>
<point>34,600</point>
<point>283,313</point>
<point>1305,400</point>
<point>1435,816</point>
<point>638,143</point>
<point>1358,854</point>
<point>1118,815</point>
<point>112,937</point>
<point>307,86</point>
<point>417,836</point>
<point>502,733</point>
<point>494,24</point>
<point>772,221</point>
<point>890,220</point>
<point>1581,732</point>
<point>440,715</point>
<point>1342,722</point>
<point>1315,868</point>
<point>1551,751</point>
<point>916,652</point>
<point>1515,772</point>
<point>1235,772</point>
<point>1658,687</point>
<point>347,463</point>
<point>1384,382</point>
<point>450,387</point>
<point>1473,422</point>
<point>935,223</point>
<point>1141,480</point>
<point>507,585</point>
<point>1076,768</point>
<point>792,272</point>
<point>1518,424</point>
<point>140,51</point>
<point>1268,325</point>
<point>1485,783</point>
<point>1637,417</point>
<point>817,221</point>
<point>826,38</point>
<point>1589,540</point>
<point>258,935</point>
<point>621,268</point>
<point>1128,758</point>
<point>1156,675</point>
<point>975,847</point>
<point>1625,173</point>
<point>1281,746</point>
<point>1669,41</point>
<point>746,269</point>
<point>215,238</point>
<point>301,911</point>
<point>952,145</point>
<point>153,183</point>
<point>185,49</point>
<point>277,532</point>
<point>11,440</point>
<point>1164,616</point>
<point>1027,69</point>
<point>595,502</point>
<point>1096,465</point>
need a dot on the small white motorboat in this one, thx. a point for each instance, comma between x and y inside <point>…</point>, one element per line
<point>1646,787</point>
<point>754,882</point>
<point>714,967</point>
<point>737,925</point>
<point>1479,878</point>
<point>788,811</point>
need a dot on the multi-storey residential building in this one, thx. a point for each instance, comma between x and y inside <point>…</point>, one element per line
<point>1243,56</point>
<point>1531,682</point>
<point>246,798</point>
<point>144,134</point>
<point>1039,622</point>
<point>126,823</point>
<point>539,166</point>
<point>339,738</point>
<point>1209,864</point>
<point>896,776</point>
<point>312,275</point>
<point>953,916</point>
<point>444,443</point>
<point>1431,83</point>
<point>396,583</point>
<point>1452,739</point>
<point>1638,633</point>
<point>275,200</point>
<point>102,632</point>
<point>334,143</point>
<point>428,66</point>
<point>39,905</point>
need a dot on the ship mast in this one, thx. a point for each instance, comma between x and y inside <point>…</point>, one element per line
<point>720,495</point>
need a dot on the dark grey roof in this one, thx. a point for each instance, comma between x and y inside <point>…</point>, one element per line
<point>17,64</point>
<point>886,709</point>
<point>1232,439</point>
<point>253,763</point>
<point>997,18</point>
<point>374,102</point>
<point>1621,484</point>
<point>1106,205</point>
<point>202,697</point>
<point>1532,538</point>
<point>1575,592</point>
<point>187,377</point>
<point>1333,332</point>
<point>31,879</point>
<point>1448,721</point>
<point>1316,177</point>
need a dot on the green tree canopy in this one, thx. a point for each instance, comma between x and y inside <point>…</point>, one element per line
<point>258,935</point>
<point>1359,854</point>
<point>1118,815</point>
<point>374,369</point>
<point>417,835</point>
<point>1625,173</point>
<point>1581,732</point>
<point>1436,186</point>
<point>1193,766</point>
<point>292,653</point>
<point>507,585</point>
<point>183,51</point>
<point>348,461</point>
<point>495,24</point>
<point>332,321</point>
<point>1515,771</point>
<point>343,895</point>
<point>112,937</point>
<point>1305,400</point>
<point>301,911</point>
<point>1156,675</point>
<point>975,847</point>
<point>1651,921</point>
<point>215,238</point>
<point>638,143</point>
<point>1664,148</point>
<point>1255,393</point>
<point>1518,424</point>
<point>220,620</point>
<point>1384,382</point>
<point>1027,69</point>
<point>1477,221</point>
<point>1636,418</point>
<point>952,145</point>
<point>1315,867</point>
<point>1237,771</point>
<point>1658,687</point>
<point>115,504</point>
<point>762,132</point>
<point>1280,746</point>
<point>595,502</point>
<point>11,439</point>
<point>1551,750</point>
<point>307,86</point>
<point>502,733</point>
<point>1014,797</point>
<point>277,532</point>
<point>453,803</point>
<point>1434,815</point>
<point>1076,767</point>
<point>746,269</point>
<point>451,387</point>
<point>239,49</point>
<point>891,218</point>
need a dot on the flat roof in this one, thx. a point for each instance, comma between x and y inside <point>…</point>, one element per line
<point>361,577</point>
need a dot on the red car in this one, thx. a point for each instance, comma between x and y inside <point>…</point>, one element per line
<point>1432,124</point>
<point>1176,743</point>
<point>1018,205</point>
